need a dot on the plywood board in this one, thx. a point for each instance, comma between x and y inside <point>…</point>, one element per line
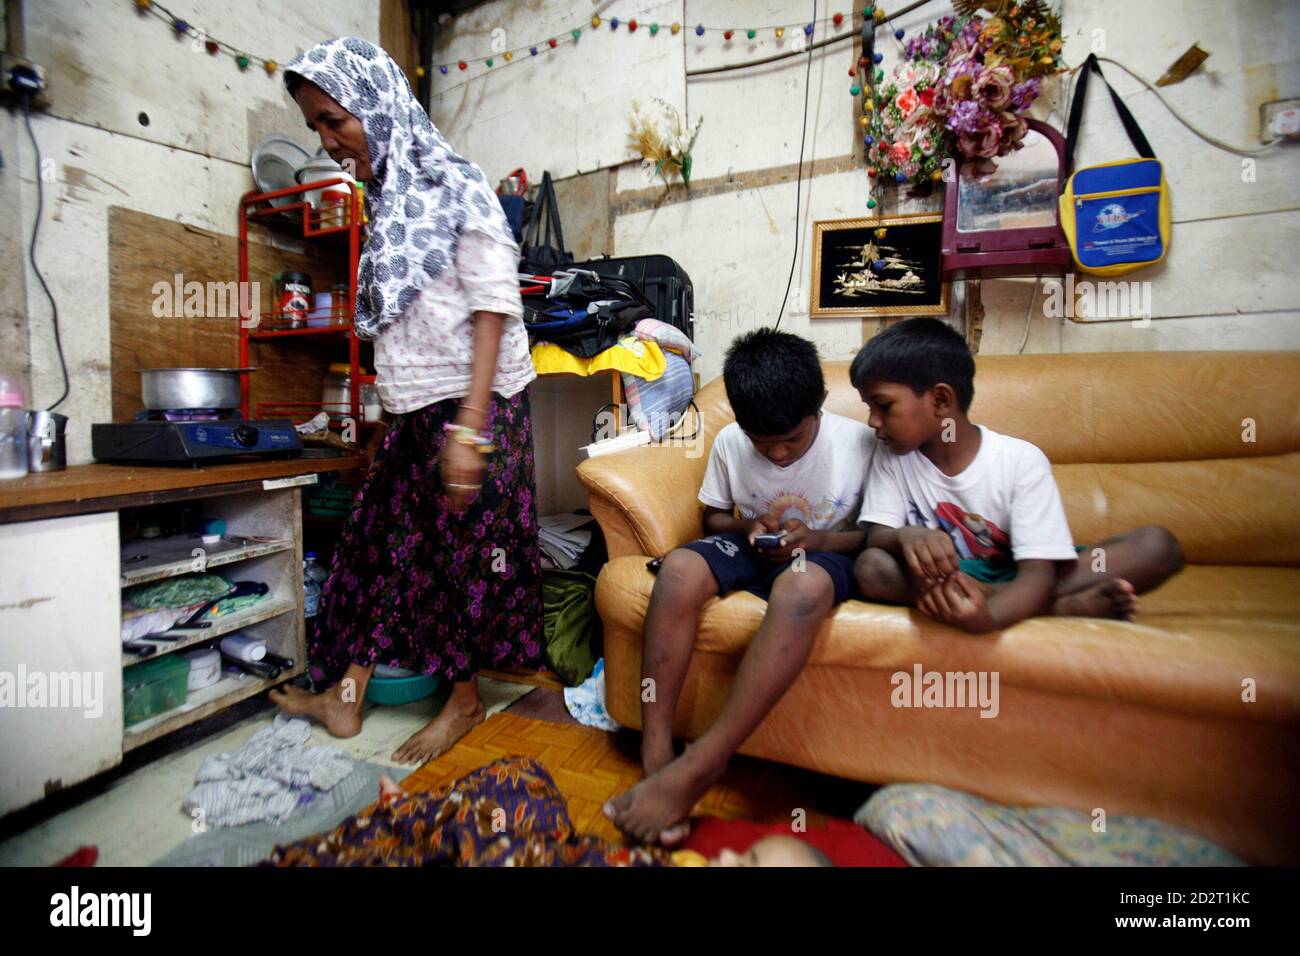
<point>145,250</point>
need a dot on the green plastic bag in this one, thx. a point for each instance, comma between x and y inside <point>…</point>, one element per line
<point>574,635</point>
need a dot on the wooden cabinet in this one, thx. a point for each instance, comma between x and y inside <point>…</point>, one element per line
<point>60,654</point>
<point>64,561</point>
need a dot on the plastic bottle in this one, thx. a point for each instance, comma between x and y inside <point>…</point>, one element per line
<point>13,430</point>
<point>311,586</point>
<point>314,569</point>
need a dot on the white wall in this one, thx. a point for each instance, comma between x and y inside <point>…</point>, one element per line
<point>107,64</point>
<point>567,103</point>
<point>1226,284</point>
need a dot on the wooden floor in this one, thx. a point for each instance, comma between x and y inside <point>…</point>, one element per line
<point>590,766</point>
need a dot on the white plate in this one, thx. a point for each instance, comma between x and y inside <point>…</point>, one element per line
<point>275,158</point>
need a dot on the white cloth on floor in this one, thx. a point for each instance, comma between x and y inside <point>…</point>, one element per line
<point>265,779</point>
<point>586,702</point>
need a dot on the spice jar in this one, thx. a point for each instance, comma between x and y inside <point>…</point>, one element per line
<point>341,310</point>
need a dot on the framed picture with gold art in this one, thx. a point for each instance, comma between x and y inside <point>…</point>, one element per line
<point>886,266</point>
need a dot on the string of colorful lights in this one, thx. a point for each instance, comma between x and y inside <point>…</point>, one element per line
<point>497,58</point>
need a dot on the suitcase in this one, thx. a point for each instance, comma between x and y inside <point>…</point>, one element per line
<point>660,279</point>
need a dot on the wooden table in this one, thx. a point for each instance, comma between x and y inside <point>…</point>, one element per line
<point>82,489</point>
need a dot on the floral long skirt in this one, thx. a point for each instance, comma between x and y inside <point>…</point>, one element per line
<point>414,584</point>
<point>509,813</point>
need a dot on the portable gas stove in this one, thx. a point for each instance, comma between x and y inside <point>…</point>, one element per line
<point>192,436</point>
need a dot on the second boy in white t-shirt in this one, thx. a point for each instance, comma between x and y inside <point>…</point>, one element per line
<point>965,523</point>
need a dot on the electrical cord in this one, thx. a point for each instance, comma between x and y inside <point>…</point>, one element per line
<point>798,180</point>
<point>1029,316</point>
<point>1213,141</point>
<point>31,249</point>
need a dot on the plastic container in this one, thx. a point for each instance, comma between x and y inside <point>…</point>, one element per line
<point>336,390</point>
<point>205,667</point>
<point>13,430</point>
<point>241,647</point>
<point>322,314</point>
<point>392,691</point>
<point>372,408</point>
<point>154,687</point>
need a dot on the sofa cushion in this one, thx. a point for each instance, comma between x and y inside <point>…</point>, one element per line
<point>1198,638</point>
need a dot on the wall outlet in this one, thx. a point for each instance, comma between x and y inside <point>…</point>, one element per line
<point>19,75</point>
<point>1279,118</point>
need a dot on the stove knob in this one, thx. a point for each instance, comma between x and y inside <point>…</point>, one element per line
<point>246,435</point>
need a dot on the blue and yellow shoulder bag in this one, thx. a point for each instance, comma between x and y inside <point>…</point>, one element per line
<point>1115,215</point>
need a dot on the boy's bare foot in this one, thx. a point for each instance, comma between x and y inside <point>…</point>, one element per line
<point>1116,598</point>
<point>656,809</point>
<point>341,718</point>
<point>654,757</point>
<point>439,735</point>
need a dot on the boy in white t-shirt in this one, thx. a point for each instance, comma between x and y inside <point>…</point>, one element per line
<point>965,523</point>
<point>787,468</point>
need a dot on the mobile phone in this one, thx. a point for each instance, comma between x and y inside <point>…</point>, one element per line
<point>654,565</point>
<point>772,540</point>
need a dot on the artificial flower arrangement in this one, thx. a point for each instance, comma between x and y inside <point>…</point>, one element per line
<point>663,141</point>
<point>961,90</point>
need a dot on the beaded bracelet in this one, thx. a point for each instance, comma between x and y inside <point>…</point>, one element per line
<point>481,441</point>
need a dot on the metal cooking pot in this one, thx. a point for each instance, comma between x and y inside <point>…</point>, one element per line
<point>173,388</point>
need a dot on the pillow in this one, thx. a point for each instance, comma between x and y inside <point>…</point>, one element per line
<point>934,826</point>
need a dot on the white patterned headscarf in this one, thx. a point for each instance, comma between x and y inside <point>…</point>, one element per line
<point>421,197</point>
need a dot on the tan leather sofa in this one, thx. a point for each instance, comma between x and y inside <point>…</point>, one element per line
<point>1190,715</point>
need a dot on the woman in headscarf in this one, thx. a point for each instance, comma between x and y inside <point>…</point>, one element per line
<point>438,566</point>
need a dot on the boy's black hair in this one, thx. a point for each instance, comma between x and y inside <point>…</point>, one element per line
<point>774,381</point>
<point>918,353</point>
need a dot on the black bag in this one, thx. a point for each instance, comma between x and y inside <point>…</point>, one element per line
<point>539,257</point>
<point>660,280</point>
<point>571,322</point>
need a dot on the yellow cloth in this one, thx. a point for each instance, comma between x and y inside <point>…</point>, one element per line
<point>632,355</point>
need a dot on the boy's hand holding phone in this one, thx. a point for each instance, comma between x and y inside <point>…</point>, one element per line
<point>766,535</point>
<point>782,544</point>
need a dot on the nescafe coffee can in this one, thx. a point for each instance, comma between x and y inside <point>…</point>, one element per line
<point>293,297</point>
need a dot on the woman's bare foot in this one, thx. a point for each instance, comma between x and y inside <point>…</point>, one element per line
<point>461,714</point>
<point>341,718</point>
<point>1116,598</point>
<point>656,809</point>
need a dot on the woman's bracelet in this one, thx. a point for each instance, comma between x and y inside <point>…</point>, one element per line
<point>475,408</point>
<point>482,441</point>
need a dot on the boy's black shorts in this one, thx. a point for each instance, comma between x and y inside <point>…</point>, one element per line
<point>736,565</point>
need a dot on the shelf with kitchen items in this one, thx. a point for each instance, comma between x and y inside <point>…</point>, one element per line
<point>260,555</point>
<point>329,210</point>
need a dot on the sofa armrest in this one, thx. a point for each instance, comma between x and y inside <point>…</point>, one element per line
<point>646,499</point>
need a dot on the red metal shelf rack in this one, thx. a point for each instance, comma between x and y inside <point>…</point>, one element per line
<point>301,219</point>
